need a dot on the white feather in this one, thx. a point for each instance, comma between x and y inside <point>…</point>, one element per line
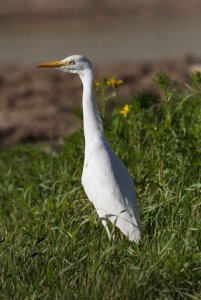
<point>105,178</point>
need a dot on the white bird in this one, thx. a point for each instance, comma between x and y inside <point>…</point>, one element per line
<point>105,178</point>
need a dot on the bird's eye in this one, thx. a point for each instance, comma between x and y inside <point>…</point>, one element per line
<point>72,62</point>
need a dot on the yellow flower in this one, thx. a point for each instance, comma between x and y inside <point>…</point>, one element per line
<point>125,110</point>
<point>96,84</point>
<point>114,82</point>
<point>195,68</point>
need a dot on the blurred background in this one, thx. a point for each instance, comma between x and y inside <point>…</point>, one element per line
<point>130,40</point>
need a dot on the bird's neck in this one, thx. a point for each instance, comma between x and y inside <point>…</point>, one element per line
<point>91,115</point>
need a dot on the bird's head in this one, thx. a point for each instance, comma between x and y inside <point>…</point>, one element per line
<point>72,64</point>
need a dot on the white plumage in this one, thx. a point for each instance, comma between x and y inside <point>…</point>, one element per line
<point>105,178</point>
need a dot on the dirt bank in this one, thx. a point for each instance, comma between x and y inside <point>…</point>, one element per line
<point>37,105</point>
<point>100,8</point>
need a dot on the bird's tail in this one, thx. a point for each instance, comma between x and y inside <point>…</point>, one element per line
<point>128,225</point>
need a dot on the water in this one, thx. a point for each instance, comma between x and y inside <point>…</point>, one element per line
<point>106,40</point>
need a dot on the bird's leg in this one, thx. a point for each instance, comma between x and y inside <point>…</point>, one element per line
<point>104,222</point>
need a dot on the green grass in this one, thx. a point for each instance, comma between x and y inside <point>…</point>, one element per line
<point>52,244</point>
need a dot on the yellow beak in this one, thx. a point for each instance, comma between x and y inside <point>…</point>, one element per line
<point>53,64</point>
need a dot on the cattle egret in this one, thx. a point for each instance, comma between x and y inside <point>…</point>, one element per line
<point>105,178</point>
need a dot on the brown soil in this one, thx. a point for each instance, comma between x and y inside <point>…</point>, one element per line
<point>99,8</point>
<point>37,105</point>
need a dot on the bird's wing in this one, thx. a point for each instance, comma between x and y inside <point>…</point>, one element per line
<point>111,190</point>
